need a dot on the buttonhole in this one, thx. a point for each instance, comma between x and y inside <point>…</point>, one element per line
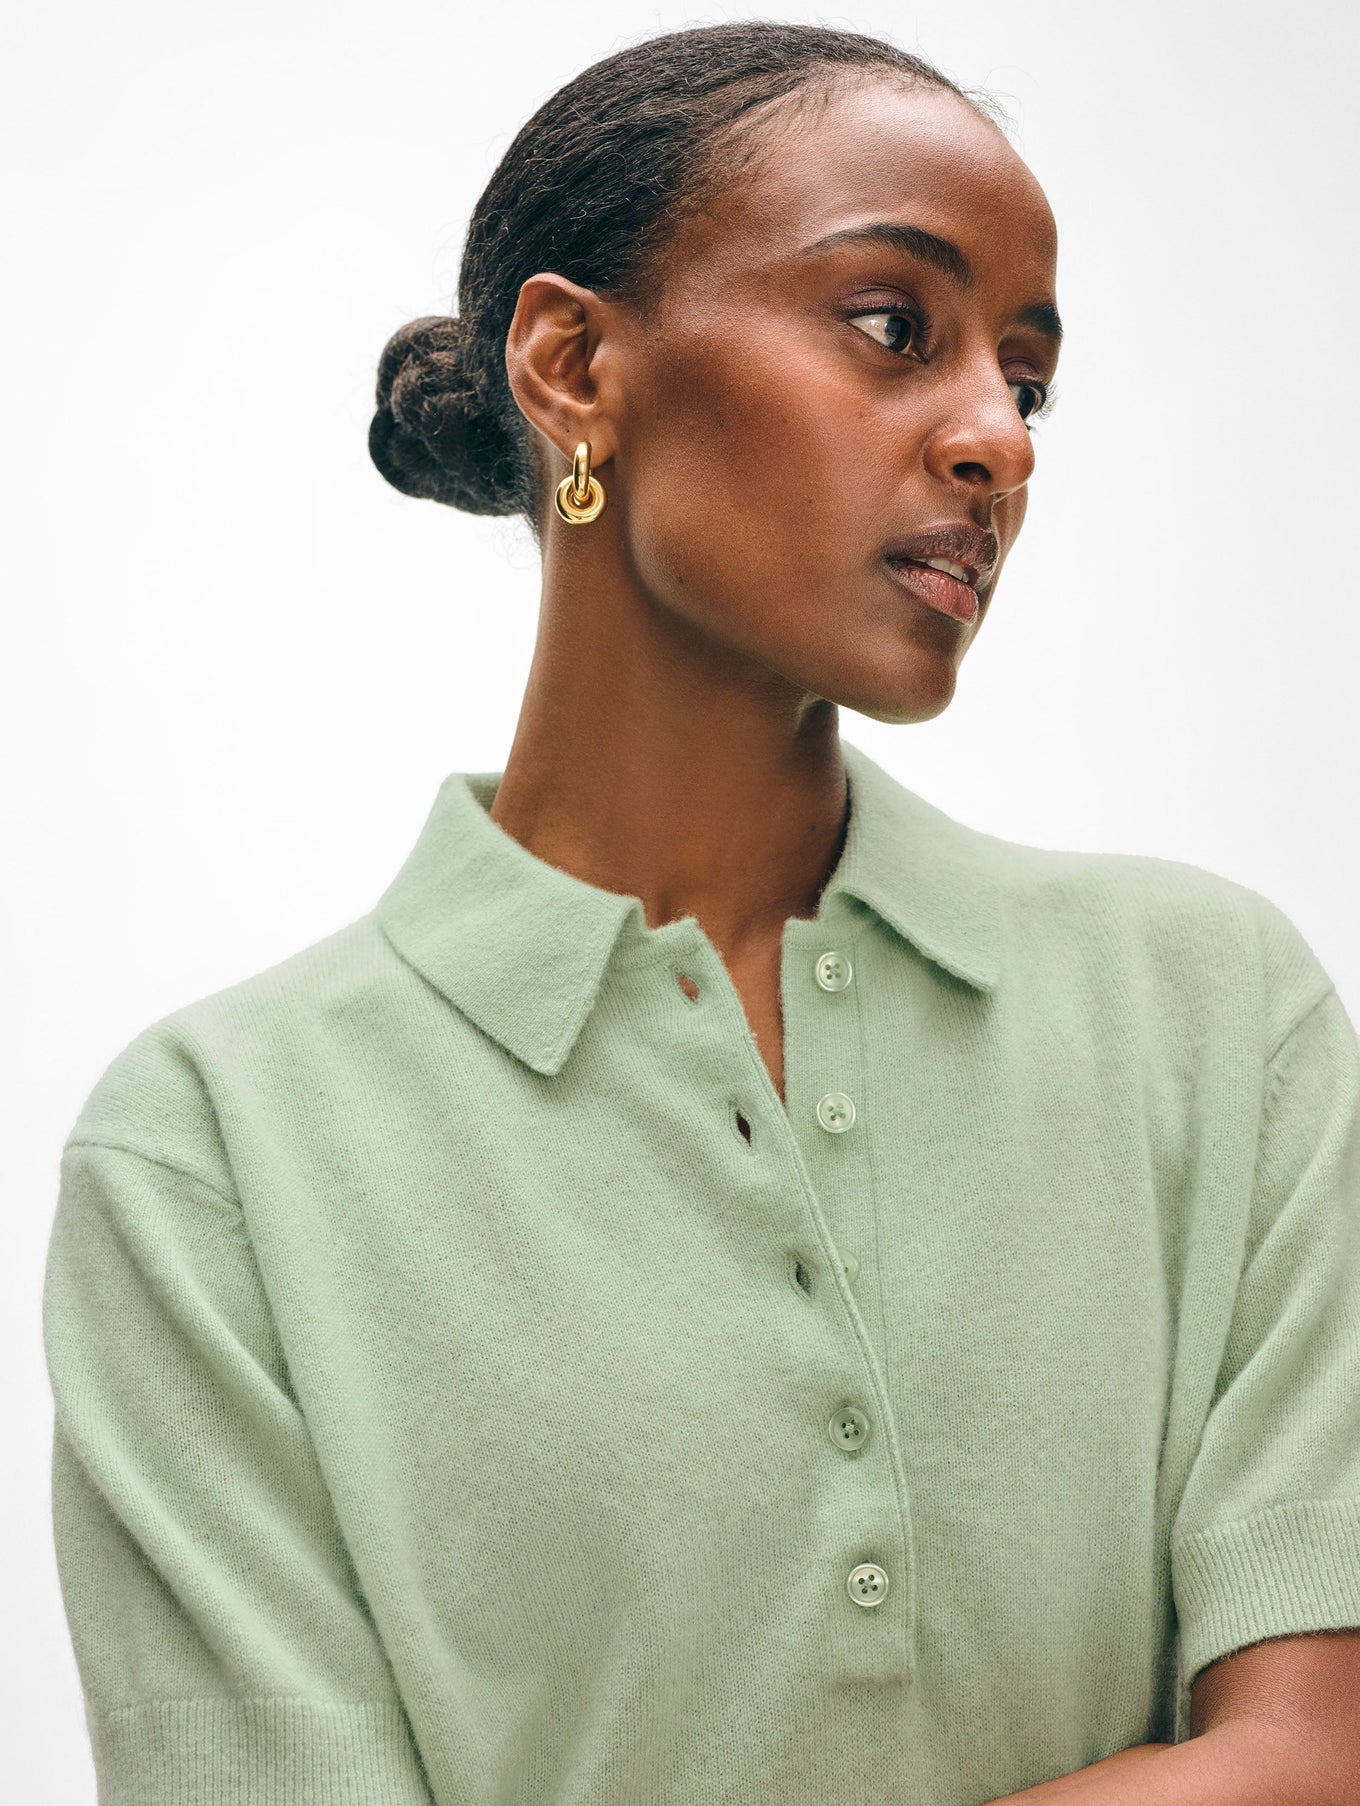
<point>688,987</point>
<point>802,1278</point>
<point>741,1124</point>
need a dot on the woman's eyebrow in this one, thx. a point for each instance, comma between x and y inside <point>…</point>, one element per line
<point>941,254</point>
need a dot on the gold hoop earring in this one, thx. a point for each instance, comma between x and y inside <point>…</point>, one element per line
<point>580,497</point>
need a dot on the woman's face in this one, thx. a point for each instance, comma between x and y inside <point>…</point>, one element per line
<point>790,410</point>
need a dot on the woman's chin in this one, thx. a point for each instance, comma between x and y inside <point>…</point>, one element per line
<point>917,691</point>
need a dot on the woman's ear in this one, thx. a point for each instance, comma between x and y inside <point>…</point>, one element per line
<point>563,357</point>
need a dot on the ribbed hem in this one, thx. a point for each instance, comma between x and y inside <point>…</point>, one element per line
<point>1295,1567</point>
<point>255,1752</point>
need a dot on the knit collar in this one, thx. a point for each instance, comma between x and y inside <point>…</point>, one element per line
<point>521,947</point>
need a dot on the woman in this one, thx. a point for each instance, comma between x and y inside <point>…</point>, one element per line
<point>727,1284</point>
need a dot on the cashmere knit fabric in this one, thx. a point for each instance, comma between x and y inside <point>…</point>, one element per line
<point>475,1387</point>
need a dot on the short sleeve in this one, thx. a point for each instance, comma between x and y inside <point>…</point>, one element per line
<point>1266,1540</point>
<point>226,1654</point>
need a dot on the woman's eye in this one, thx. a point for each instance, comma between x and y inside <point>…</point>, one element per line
<point>1036,397</point>
<point>900,330</point>
<point>1040,400</point>
<point>897,330</point>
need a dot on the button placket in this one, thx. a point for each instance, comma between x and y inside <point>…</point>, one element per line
<point>833,971</point>
<point>849,1428</point>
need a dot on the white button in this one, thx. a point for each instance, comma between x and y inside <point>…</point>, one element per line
<point>849,1428</point>
<point>851,1265</point>
<point>834,971</point>
<point>835,1111</point>
<point>867,1583</point>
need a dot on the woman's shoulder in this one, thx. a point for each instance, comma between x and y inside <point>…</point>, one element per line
<point>1168,928</point>
<point>169,1091</point>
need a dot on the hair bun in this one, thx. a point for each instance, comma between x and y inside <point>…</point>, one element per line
<point>429,436</point>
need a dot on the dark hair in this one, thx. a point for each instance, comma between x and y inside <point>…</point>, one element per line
<point>592,187</point>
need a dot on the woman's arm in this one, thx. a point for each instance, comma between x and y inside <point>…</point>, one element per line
<point>225,1653</point>
<point>1277,1724</point>
<point>1245,1763</point>
<point>1267,1533</point>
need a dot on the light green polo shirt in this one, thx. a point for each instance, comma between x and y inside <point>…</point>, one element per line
<point>474,1386</point>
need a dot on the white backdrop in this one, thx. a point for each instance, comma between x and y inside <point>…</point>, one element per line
<point>238,663</point>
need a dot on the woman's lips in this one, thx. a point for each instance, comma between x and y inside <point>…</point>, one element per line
<point>937,589</point>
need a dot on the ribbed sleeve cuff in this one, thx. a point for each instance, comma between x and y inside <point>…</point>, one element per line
<point>255,1752</point>
<point>1295,1567</point>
